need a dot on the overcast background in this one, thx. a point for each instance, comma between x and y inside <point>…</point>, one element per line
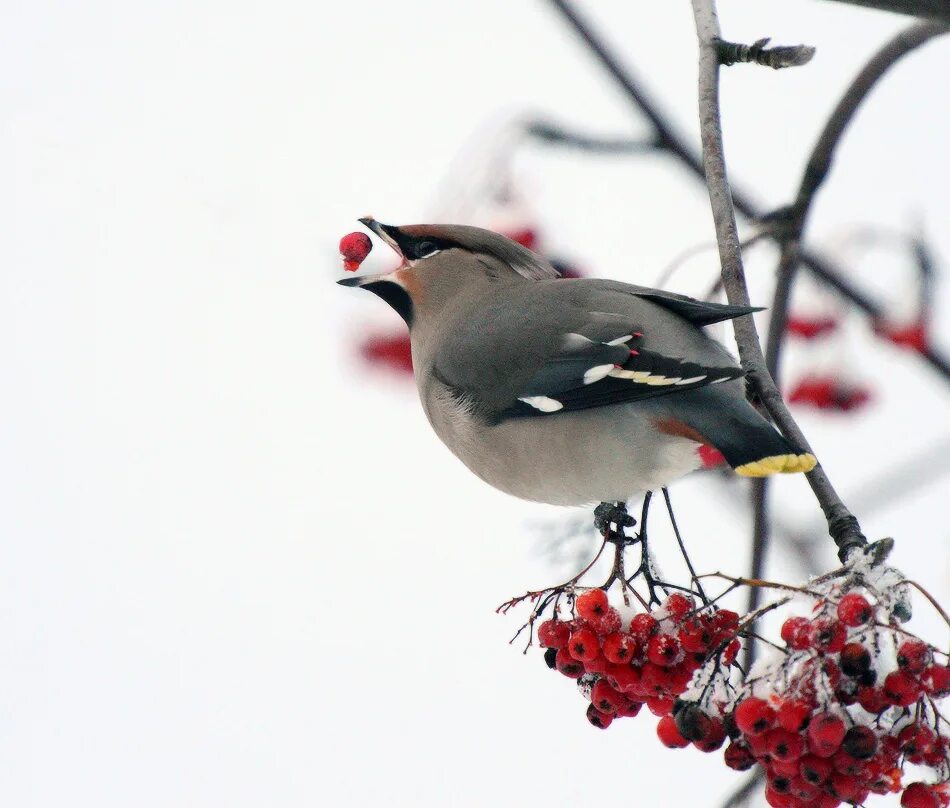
<point>236,568</point>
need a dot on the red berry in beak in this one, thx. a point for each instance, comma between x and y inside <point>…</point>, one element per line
<point>354,247</point>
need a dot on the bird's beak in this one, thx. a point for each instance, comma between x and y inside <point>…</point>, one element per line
<point>385,231</point>
<point>388,234</point>
<point>366,280</point>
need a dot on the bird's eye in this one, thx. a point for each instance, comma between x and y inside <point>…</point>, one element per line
<point>426,248</point>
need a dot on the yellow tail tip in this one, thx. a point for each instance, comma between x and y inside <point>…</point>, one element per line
<point>778,464</point>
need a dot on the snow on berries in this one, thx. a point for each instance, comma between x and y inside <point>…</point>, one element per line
<point>354,247</point>
<point>839,713</point>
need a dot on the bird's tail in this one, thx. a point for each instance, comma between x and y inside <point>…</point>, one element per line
<point>750,444</point>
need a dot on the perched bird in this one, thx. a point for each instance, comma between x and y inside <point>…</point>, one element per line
<point>567,391</point>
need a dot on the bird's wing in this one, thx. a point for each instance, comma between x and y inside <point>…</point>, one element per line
<point>568,345</point>
<point>583,374</point>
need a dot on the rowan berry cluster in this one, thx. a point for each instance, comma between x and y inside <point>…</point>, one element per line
<point>649,659</point>
<point>849,703</point>
<point>837,714</point>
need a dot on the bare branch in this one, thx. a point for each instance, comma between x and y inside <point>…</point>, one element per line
<point>676,145</point>
<point>842,525</point>
<point>819,163</point>
<point>743,794</point>
<point>935,9</point>
<point>761,533</point>
<point>558,135</point>
<point>778,57</point>
<point>818,166</point>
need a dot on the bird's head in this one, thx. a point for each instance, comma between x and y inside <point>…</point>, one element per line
<point>442,261</point>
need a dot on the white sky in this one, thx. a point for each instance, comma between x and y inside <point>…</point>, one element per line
<point>236,568</point>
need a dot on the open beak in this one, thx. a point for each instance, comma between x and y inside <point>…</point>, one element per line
<point>365,280</point>
<point>386,232</point>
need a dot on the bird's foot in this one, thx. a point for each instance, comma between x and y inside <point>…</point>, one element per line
<point>612,513</point>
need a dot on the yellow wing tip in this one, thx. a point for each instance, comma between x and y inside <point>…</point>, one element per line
<point>778,464</point>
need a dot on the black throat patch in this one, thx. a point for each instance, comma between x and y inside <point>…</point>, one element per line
<point>395,296</point>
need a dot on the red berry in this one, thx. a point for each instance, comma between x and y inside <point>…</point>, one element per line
<point>846,787</point>
<point>642,627</point>
<point>785,745</point>
<point>630,708</point>
<point>624,677</point>
<point>739,757</point>
<point>567,665</point>
<point>731,652</point>
<point>714,738</point>
<point>607,623</point>
<point>936,680</point>
<point>668,734</point>
<point>678,606</point>
<point>599,719</point>
<point>605,698</point>
<point>793,714</point>
<point>914,656</point>
<point>726,619</point>
<point>920,795</point>
<point>592,604</point>
<point>781,768</point>
<point>860,742</point>
<point>814,769</point>
<point>599,664</point>
<point>848,764</point>
<point>583,645</point>
<point>873,699</point>
<point>825,734</point>
<point>828,634</point>
<point>553,634</point>
<point>802,790</point>
<point>855,659</point>
<point>754,716</point>
<point>660,705</point>
<point>854,610</point>
<point>354,247</point>
<point>664,650</point>
<point>901,688</point>
<point>697,635</point>
<point>620,648</point>
<point>779,800</point>
<point>796,633</point>
<point>917,741</point>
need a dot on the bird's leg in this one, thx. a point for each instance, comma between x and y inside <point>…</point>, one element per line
<point>612,513</point>
<point>689,564</point>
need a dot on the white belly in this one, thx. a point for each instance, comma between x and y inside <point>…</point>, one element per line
<point>599,455</point>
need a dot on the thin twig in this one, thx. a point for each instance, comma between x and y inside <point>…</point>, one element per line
<point>560,136</point>
<point>679,540</point>
<point>744,792</point>
<point>842,525</point>
<point>760,542</point>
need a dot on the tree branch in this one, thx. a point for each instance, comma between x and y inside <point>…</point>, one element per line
<point>676,145</point>
<point>816,171</point>
<point>842,525</point>
<point>560,136</point>
<point>743,794</point>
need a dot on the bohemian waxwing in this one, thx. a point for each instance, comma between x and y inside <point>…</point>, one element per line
<point>567,391</point>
